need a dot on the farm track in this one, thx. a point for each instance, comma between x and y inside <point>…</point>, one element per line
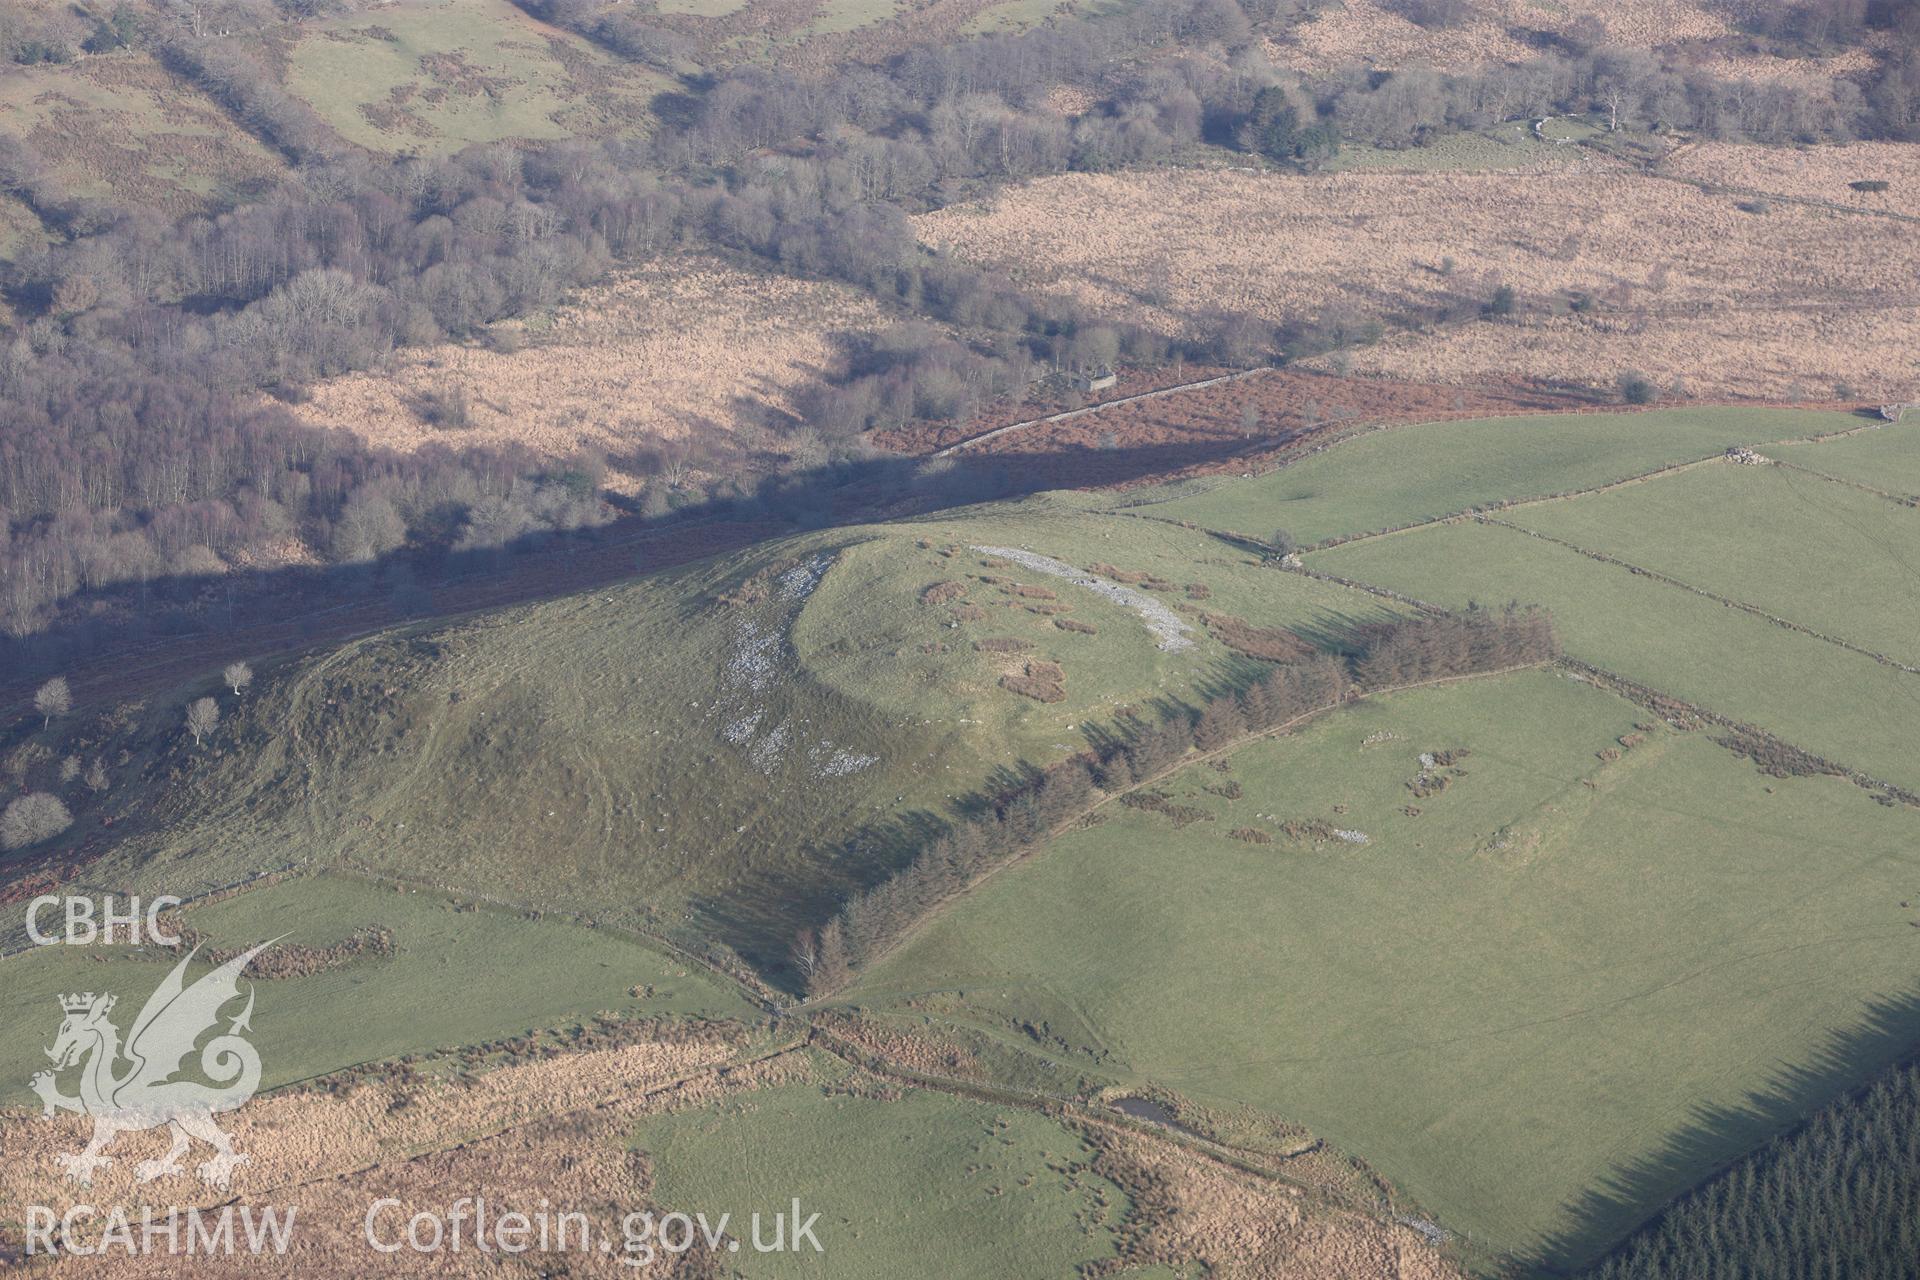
<point>1070,414</point>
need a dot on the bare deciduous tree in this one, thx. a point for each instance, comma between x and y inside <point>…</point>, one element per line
<point>238,677</point>
<point>203,717</point>
<point>96,778</point>
<point>806,954</point>
<point>53,698</point>
<point>33,818</point>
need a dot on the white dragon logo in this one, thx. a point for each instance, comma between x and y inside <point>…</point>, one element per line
<point>145,1095</point>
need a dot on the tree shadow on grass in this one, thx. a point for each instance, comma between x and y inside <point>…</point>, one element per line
<point>1717,1138</point>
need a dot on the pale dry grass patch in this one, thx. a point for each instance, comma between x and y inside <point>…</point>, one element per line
<point>1241,1226</point>
<point>1685,285</point>
<point>555,1135</point>
<point>1366,32</point>
<point>1811,74</point>
<point>549,1132</point>
<point>1809,173</point>
<point>1782,356</point>
<point>682,350</point>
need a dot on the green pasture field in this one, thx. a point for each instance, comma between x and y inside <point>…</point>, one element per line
<point>1829,557</point>
<point>922,1184</point>
<point>443,74</point>
<point>1563,990</point>
<point>1397,477</point>
<point>1887,458</point>
<point>459,975</point>
<point>1818,696</point>
<point>850,15</point>
<point>1502,146</point>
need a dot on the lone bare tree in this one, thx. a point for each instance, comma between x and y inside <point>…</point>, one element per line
<point>29,819</point>
<point>96,778</point>
<point>203,717</point>
<point>806,954</point>
<point>53,698</point>
<point>238,676</point>
<point>832,969</point>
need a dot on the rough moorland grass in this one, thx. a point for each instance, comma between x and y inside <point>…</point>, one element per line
<point>120,126</point>
<point>437,76</point>
<point>1395,478</point>
<point>1818,696</point>
<point>1843,562</point>
<point>458,976</point>
<point>1515,1004</point>
<point>918,1185</point>
<point>1887,459</point>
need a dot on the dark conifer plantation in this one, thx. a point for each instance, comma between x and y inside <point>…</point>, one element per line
<point>1838,1200</point>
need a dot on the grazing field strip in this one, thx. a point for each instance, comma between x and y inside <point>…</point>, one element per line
<point>1886,455</point>
<point>1905,500</point>
<point>1240,1159</point>
<point>1396,478</point>
<point>1847,706</point>
<point>1828,558</point>
<point>741,982</point>
<point>1714,596</point>
<point>1665,704</point>
<point>1475,513</point>
<point>415,999</point>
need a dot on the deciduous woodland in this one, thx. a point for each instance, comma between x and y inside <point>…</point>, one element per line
<point>141,442</point>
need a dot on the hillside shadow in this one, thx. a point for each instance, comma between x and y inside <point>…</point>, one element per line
<point>1716,1138</point>
<point>120,640</point>
<point>760,914</point>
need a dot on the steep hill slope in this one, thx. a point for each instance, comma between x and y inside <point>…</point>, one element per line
<point>722,752</point>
